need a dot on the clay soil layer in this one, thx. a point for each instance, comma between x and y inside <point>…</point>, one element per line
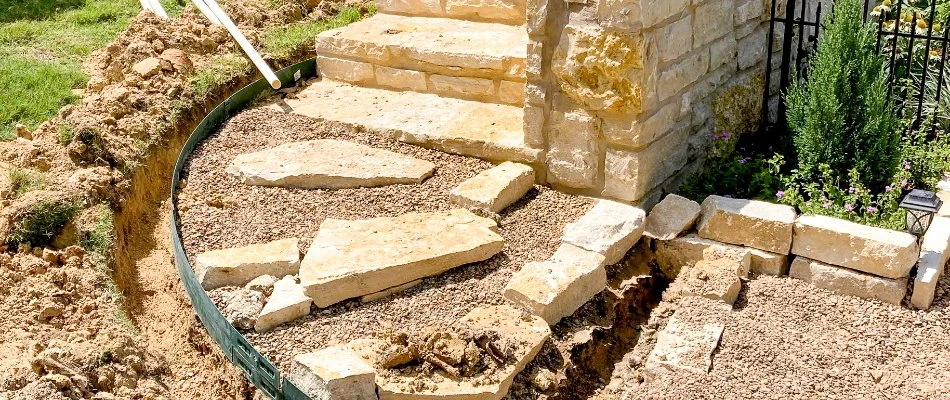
<point>220,212</point>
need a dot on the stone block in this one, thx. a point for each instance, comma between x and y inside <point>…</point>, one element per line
<point>671,217</point>
<point>712,21</point>
<point>620,14</point>
<point>656,11</point>
<point>537,16</point>
<point>238,266</point>
<point>682,74</point>
<point>848,282</point>
<point>345,70</point>
<point>609,228</point>
<point>630,175</point>
<point>410,7</point>
<point>638,132</point>
<point>511,92</point>
<point>714,280</point>
<point>676,39</point>
<point>748,10</point>
<point>287,303</point>
<point>334,373</point>
<point>306,165</point>
<point>764,262</point>
<point>534,126</point>
<point>597,68</point>
<point>462,86</point>
<point>876,251</point>
<point>672,255</point>
<point>402,79</point>
<point>757,224</point>
<point>723,51</point>
<point>934,251</point>
<point>575,150</point>
<point>555,288</point>
<point>495,188</point>
<point>506,11</point>
<point>752,48</point>
<point>353,258</point>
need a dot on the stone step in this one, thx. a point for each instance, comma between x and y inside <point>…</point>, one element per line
<point>503,11</point>
<point>463,59</point>
<point>488,131</point>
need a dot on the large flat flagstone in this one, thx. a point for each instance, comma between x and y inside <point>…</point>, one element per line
<point>238,266</point>
<point>495,188</point>
<point>330,164</point>
<point>354,258</point>
<point>688,341</point>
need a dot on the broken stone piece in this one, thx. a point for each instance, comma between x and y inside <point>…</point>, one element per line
<point>672,255</point>
<point>848,282</point>
<point>835,241</point>
<point>147,67</point>
<point>287,303</point>
<point>238,266</point>
<point>714,280</point>
<point>353,258</point>
<point>685,345</point>
<point>495,188</point>
<point>242,307</point>
<point>671,217</point>
<point>334,373</point>
<point>934,252</point>
<point>23,132</point>
<point>757,224</point>
<point>263,284</point>
<point>555,288</point>
<point>328,164</point>
<point>609,228</point>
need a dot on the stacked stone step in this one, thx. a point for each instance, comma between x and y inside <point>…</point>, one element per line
<point>472,50</point>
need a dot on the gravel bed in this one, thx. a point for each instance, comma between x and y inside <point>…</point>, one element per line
<point>221,212</point>
<point>787,339</point>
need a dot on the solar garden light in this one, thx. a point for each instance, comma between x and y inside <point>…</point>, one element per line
<point>921,205</point>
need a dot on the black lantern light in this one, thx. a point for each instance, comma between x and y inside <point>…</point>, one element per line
<point>921,205</point>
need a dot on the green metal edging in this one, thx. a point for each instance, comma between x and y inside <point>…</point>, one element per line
<point>257,368</point>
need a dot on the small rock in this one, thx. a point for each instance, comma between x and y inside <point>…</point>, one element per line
<point>178,59</point>
<point>544,380</point>
<point>243,307</point>
<point>50,311</point>
<point>23,132</point>
<point>147,67</point>
<point>51,256</point>
<point>263,284</point>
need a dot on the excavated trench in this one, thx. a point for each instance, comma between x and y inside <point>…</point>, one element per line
<point>155,299</point>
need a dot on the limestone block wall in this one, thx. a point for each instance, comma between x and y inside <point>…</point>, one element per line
<point>625,95</point>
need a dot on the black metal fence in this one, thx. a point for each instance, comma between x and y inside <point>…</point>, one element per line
<point>914,46</point>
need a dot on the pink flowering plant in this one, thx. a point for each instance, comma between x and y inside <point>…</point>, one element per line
<point>731,171</point>
<point>850,199</point>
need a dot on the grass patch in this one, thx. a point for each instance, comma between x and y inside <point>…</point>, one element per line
<point>222,69</point>
<point>66,134</point>
<point>24,180</point>
<point>43,222</point>
<point>42,46</point>
<point>98,241</point>
<point>283,41</point>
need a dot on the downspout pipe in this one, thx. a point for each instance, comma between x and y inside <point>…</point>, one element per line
<point>201,6</point>
<point>158,9</point>
<point>245,45</point>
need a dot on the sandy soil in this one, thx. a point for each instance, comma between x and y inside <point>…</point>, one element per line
<point>786,339</point>
<point>532,228</point>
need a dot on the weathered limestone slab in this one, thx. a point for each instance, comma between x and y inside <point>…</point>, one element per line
<point>334,373</point>
<point>757,224</point>
<point>354,258</point>
<point>672,216</point>
<point>767,263</point>
<point>934,252</point>
<point>558,286</point>
<point>287,303</point>
<point>714,280</point>
<point>327,163</point>
<point>685,346</point>
<point>471,128</point>
<point>512,326</point>
<point>238,266</point>
<point>672,255</point>
<point>508,11</point>
<point>848,282</point>
<point>389,292</point>
<point>609,228</point>
<point>495,188</point>
<point>877,251</point>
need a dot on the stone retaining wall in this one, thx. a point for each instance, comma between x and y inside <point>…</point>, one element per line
<point>626,94</point>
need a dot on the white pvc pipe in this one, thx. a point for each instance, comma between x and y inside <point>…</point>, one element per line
<point>146,5</point>
<point>158,9</point>
<point>200,4</point>
<point>245,45</point>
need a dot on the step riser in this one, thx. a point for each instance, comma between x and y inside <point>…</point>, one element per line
<point>511,12</point>
<point>470,88</point>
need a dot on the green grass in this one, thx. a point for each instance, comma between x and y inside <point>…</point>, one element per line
<point>282,41</point>
<point>42,222</point>
<point>221,69</point>
<point>24,180</point>
<point>42,46</point>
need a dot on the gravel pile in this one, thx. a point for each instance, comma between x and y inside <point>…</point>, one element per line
<point>221,212</point>
<point>789,340</point>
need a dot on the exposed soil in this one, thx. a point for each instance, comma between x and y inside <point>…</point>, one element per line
<point>532,229</point>
<point>786,339</point>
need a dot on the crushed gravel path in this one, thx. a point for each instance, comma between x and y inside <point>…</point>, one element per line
<point>787,339</point>
<point>532,228</point>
